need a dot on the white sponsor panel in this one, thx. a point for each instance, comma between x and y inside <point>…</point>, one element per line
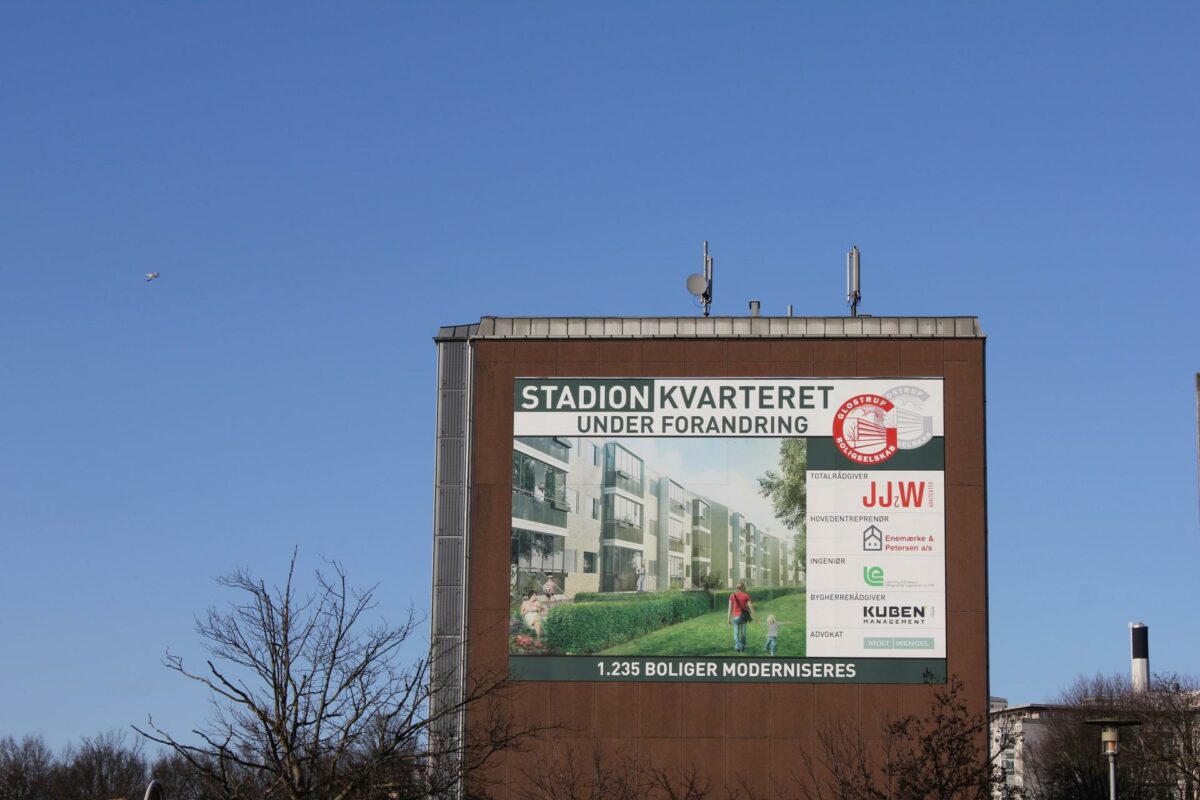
<point>876,564</point>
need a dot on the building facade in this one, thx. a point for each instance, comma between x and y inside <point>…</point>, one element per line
<point>1021,728</point>
<point>595,514</point>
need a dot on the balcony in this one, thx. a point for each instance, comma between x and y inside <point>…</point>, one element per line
<point>555,447</point>
<point>624,530</point>
<point>675,545</point>
<point>548,511</point>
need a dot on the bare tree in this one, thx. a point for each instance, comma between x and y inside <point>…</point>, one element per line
<point>26,769</point>
<point>102,767</point>
<point>576,772</point>
<point>940,755</point>
<point>1160,758</point>
<point>1169,735</point>
<point>311,700</point>
<point>180,781</point>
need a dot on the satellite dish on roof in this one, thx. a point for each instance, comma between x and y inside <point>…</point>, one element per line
<point>700,286</point>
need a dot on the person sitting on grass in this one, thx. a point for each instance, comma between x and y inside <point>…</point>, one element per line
<point>531,613</point>
<point>773,633</point>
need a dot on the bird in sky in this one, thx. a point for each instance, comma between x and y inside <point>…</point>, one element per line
<point>151,276</point>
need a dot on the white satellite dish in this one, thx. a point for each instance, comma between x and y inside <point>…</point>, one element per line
<point>701,286</point>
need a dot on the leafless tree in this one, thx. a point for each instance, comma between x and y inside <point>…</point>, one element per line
<point>567,771</point>
<point>1160,758</point>
<point>26,768</point>
<point>311,700</point>
<point>1169,735</point>
<point>940,755</point>
<point>181,781</point>
<point>101,767</point>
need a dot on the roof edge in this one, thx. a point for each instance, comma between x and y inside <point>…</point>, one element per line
<point>714,328</point>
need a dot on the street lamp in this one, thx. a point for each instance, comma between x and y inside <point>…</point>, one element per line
<point>1110,745</point>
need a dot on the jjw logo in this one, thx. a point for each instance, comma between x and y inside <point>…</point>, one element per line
<point>873,576</point>
<point>898,494</point>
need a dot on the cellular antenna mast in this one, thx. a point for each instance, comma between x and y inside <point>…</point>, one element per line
<point>701,286</point>
<point>853,281</point>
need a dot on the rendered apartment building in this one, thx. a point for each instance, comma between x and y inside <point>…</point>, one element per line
<point>591,515</point>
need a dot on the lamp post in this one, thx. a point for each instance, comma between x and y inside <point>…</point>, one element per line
<point>1110,745</point>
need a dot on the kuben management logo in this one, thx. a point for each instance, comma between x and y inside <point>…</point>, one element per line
<point>870,428</point>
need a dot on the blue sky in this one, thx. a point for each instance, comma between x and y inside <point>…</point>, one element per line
<point>322,185</point>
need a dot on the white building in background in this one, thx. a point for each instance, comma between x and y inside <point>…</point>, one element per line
<point>1028,723</point>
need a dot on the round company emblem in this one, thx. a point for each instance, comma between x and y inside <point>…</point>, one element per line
<point>863,429</point>
<point>913,427</point>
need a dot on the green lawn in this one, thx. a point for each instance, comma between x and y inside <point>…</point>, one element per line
<point>710,635</point>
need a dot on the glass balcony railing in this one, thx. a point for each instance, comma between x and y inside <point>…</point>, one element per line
<point>623,531</point>
<point>534,509</point>
<point>551,446</point>
<point>675,545</point>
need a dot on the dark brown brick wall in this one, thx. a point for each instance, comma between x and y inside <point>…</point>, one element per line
<point>730,733</point>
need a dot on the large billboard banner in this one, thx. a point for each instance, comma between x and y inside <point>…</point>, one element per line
<point>773,530</point>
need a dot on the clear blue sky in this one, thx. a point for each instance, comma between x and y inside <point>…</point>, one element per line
<point>323,185</point>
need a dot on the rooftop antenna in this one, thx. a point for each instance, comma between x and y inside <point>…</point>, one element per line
<point>701,286</point>
<point>853,281</point>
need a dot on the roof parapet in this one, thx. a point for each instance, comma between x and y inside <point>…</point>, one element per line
<point>714,328</point>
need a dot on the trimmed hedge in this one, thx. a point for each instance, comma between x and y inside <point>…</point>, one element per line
<point>761,594</point>
<point>630,597</point>
<point>757,594</point>
<point>582,628</point>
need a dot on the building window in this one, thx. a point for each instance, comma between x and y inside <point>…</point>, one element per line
<point>589,562</point>
<point>676,499</point>
<point>622,519</point>
<point>595,456</point>
<point>675,533</point>
<point>558,448</point>
<point>595,507</point>
<point>620,565</point>
<point>675,567</point>
<point>624,470</point>
<point>538,554</point>
<point>539,491</point>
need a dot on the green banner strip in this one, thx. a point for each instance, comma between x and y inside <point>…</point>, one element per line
<point>727,669</point>
<point>823,454</point>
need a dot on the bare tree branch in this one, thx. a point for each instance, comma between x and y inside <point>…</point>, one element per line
<point>310,700</point>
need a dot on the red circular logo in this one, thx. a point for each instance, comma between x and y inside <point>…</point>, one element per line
<point>864,429</point>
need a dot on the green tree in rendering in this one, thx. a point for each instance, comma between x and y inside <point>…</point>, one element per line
<point>788,492</point>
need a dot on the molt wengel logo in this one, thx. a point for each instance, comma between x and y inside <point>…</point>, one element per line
<point>870,428</point>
